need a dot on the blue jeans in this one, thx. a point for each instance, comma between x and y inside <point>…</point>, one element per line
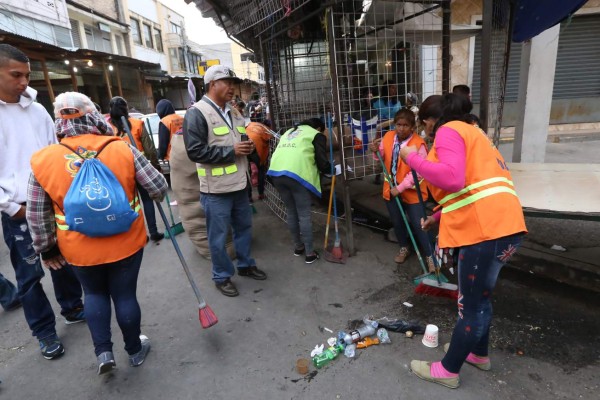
<point>297,203</point>
<point>414,213</point>
<point>8,292</point>
<point>29,272</point>
<point>149,212</point>
<point>223,212</point>
<point>478,269</point>
<point>116,281</point>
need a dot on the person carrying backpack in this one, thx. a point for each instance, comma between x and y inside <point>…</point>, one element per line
<point>106,266</point>
<point>143,141</point>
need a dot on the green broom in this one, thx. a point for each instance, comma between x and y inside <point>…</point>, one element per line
<point>176,228</point>
<point>426,275</point>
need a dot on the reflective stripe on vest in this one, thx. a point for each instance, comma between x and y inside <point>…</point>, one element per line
<point>241,129</point>
<point>64,227</point>
<point>476,196</point>
<point>218,171</point>
<point>221,130</point>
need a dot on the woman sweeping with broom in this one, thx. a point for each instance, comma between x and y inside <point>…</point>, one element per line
<point>481,215</point>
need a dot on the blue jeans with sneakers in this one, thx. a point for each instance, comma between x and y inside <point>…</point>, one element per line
<point>297,200</point>
<point>8,292</point>
<point>115,281</point>
<point>29,272</point>
<point>224,212</point>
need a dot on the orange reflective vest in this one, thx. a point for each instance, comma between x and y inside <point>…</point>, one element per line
<point>137,127</point>
<point>487,207</point>
<point>174,124</point>
<point>257,132</point>
<point>55,166</point>
<point>409,196</point>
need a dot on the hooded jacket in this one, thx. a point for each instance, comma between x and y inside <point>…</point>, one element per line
<point>25,127</point>
<point>163,108</point>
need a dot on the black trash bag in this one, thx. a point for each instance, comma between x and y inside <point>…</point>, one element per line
<point>400,325</point>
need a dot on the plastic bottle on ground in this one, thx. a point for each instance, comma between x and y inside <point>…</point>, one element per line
<point>369,329</point>
<point>319,361</point>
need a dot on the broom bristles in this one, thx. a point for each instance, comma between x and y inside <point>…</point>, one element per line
<point>207,317</point>
<point>436,291</point>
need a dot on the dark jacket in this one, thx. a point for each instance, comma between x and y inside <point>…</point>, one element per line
<point>195,136</point>
<point>163,108</point>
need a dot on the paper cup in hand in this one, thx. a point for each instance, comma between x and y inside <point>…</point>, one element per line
<point>430,338</point>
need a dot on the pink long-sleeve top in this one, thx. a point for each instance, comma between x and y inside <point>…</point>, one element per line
<point>408,180</point>
<point>449,173</point>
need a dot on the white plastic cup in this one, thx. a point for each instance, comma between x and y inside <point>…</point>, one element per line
<point>430,338</point>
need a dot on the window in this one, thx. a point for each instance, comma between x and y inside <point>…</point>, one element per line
<point>120,49</point>
<point>158,40</point>
<point>97,40</point>
<point>75,33</point>
<point>175,28</point>
<point>173,55</point>
<point>148,36</point>
<point>136,35</point>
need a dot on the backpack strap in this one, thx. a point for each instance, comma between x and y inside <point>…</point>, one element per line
<point>97,152</point>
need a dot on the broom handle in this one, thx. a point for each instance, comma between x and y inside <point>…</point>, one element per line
<point>412,238</point>
<point>332,162</point>
<point>329,211</point>
<point>170,210</point>
<point>420,196</point>
<point>201,302</point>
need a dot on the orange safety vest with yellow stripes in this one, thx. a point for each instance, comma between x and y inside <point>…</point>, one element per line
<point>55,166</point>
<point>409,196</point>
<point>137,127</point>
<point>174,124</point>
<point>487,207</point>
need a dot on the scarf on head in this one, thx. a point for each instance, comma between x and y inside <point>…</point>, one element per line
<point>92,123</point>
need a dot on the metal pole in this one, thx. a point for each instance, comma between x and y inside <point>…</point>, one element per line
<point>266,63</point>
<point>337,111</point>
<point>486,45</point>
<point>446,17</point>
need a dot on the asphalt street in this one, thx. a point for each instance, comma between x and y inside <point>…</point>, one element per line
<point>545,342</point>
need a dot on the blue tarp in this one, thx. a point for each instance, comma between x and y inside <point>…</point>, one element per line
<point>532,17</point>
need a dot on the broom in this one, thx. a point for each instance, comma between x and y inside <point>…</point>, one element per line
<point>417,280</point>
<point>428,286</point>
<point>205,313</point>
<point>336,254</point>
<point>176,228</point>
<point>329,212</point>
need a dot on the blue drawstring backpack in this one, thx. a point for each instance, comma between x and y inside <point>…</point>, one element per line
<point>96,204</point>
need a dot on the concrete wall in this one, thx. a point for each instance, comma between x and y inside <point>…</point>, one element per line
<point>104,7</point>
<point>144,8</point>
<point>151,55</point>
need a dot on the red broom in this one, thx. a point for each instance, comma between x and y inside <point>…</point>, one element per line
<point>206,314</point>
<point>433,287</point>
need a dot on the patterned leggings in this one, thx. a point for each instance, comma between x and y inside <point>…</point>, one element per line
<point>478,269</point>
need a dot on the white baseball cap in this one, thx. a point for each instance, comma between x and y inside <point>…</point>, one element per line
<point>218,72</point>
